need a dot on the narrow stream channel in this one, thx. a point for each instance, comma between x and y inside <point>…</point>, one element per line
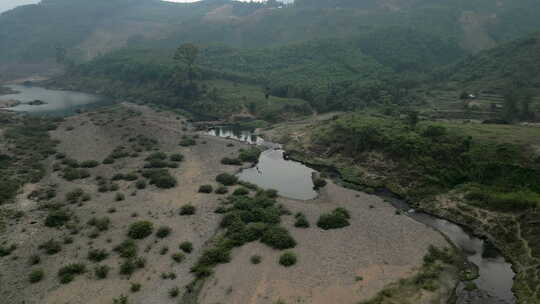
<point>293,179</point>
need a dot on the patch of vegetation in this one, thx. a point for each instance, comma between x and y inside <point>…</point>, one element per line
<point>57,218</point>
<point>97,255</point>
<point>250,155</point>
<point>67,273</point>
<point>231,161</point>
<point>161,178</point>
<point>186,247</point>
<point>178,257</point>
<point>187,141</point>
<point>36,275</point>
<point>278,238</point>
<point>301,221</point>
<point>140,230</point>
<point>338,218</point>
<point>206,189</point>
<point>222,190</point>
<point>51,247</point>
<point>188,210</point>
<point>255,259</point>
<point>127,249</point>
<point>101,272</point>
<point>227,179</point>
<point>241,191</point>
<point>288,259</point>
<point>163,231</point>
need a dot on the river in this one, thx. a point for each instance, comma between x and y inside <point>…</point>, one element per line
<point>54,102</point>
<point>293,180</point>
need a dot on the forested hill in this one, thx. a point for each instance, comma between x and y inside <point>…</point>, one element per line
<point>86,29</point>
<point>510,65</point>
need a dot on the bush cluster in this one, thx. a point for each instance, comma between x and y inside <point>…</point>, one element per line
<point>206,189</point>
<point>227,179</point>
<point>338,218</point>
<point>140,229</point>
<point>161,178</point>
<point>67,273</point>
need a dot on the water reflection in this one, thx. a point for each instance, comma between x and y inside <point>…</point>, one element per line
<point>57,103</point>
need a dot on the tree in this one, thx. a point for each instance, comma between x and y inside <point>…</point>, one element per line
<point>187,53</point>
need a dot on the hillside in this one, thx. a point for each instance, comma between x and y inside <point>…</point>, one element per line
<point>33,33</point>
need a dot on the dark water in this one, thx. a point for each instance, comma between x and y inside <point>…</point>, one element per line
<point>496,275</point>
<point>293,180</point>
<point>57,103</point>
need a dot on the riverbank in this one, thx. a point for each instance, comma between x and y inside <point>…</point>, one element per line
<point>513,233</point>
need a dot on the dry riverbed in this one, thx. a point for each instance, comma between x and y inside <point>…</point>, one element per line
<point>336,266</point>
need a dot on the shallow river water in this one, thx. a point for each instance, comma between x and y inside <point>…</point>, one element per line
<point>57,103</point>
<point>293,180</point>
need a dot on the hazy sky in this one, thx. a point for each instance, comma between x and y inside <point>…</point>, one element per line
<point>9,4</point>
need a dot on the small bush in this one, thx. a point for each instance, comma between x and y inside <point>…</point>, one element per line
<point>278,238</point>
<point>231,161</point>
<point>141,184</point>
<point>241,191</point>
<point>301,221</point>
<point>222,190</point>
<point>89,164</point>
<point>67,273</point>
<point>163,232</point>
<point>51,247</point>
<point>319,183</point>
<point>206,189</point>
<point>187,141</point>
<point>36,275</point>
<point>271,193</point>
<point>97,255</point>
<point>256,259</point>
<point>178,257</point>
<point>250,155</point>
<point>101,224</point>
<point>174,292</point>
<point>140,230</point>
<point>34,260</point>
<point>226,179</point>
<point>161,178</point>
<point>287,259</point>
<point>74,195</point>
<point>187,210</point>
<point>57,218</point>
<point>135,287</point>
<point>177,157</point>
<point>7,250</point>
<point>101,272</point>
<point>119,197</point>
<point>186,247</point>
<point>334,220</point>
<point>121,300</point>
<point>127,249</point>
<point>127,267</point>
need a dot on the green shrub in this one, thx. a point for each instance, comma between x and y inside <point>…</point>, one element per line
<point>135,287</point>
<point>97,255</point>
<point>36,275</point>
<point>67,273</point>
<point>174,292</point>
<point>187,210</point>
<point>163,231</point>
<point>178,257</point>
<point>250,155</point>
<point>102,224</point>
<point>177,157</point>
<point>222,190</point>
<point>206,189</point>
<point>319,183</point>
<point>89,164</point>
<point>334,220</point>
<point>121,300</point>
<point>161,178</point>
<point>7,250</point>
<point>141,184</point>
<point>74,195</point>
<point>256,259</point>
<point>119,197</point>
<point>57,218</point>
<point>34,260</point>
<point>301,221</point>
<point>241,191</point>
<point>231,161</point>
<point>287,259</point>
<point>271,193</point>
<point>186,247</point>
<point>127,249</point>
<point>226,179</point>
<point>51,247</point>
<point>140,230</point>
<point>101,271</point>
<point>127,267</point>
<point>278,238</point>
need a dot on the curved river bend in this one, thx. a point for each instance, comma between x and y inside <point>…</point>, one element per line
<point>293,180</point>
